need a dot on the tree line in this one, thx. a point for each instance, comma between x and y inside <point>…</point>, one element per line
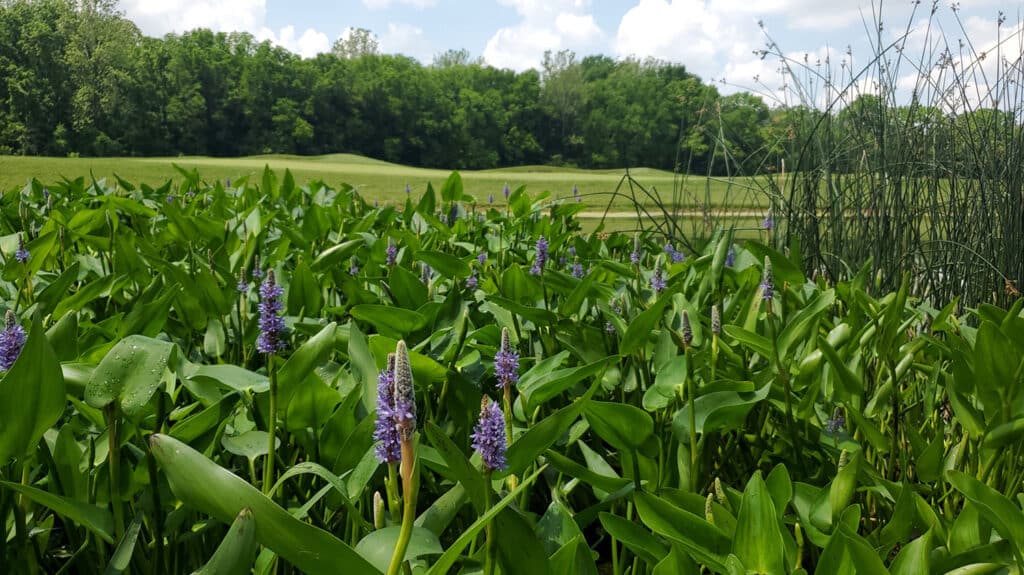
<point>77,78</point>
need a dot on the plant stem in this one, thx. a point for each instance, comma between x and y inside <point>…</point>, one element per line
<point>268,467</point>
<point>691,395</point>
<point>512,481</point>
<point>113,429</point>
<point>391,486</point>
<point>491,548</point>
<point>410,486</point>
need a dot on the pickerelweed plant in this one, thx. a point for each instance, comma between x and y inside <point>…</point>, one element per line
<point>743,418</point>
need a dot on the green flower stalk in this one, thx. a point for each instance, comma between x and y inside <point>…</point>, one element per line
<point>691,396</point>
<point>271,341</point>
<point>716,332</point>
<point>405,403</point>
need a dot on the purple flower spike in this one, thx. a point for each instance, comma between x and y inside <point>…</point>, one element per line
<point>490,198</point>
<point>577,269</point>
<point>392,254</point>
<point>767,283</point>
<point>243,285</point>
<point>730,258</point>
<point>489,436</point>
<point>471,280</point>
<point>272,328</point>
<point>542,256</point>
<point>12,339</point>
<point>506,362</point>
<point>482,258</point>
<point>507,191</point>
<point>408,190</point>
<point>405,396</point>
<point>609,328</point>
<point>657,281</point>
<point>769,222</point>
<point>678,257</point>
<point>21,254</point>
<point>389,448</point>
<point>634,258</point>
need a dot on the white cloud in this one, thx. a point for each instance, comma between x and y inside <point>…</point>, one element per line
<point>578,29</point>
<point>384,4</point>
<point>308,45</point>
<point>159,17</point>
<point>406,39</point>
<point>684,31</point>
<point>543,25</point>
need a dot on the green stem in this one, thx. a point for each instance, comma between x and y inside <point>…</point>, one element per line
<point>268,467</point>
<point>507,405</point>
<point>114,455</point>
<point>391,486</point>
<point>410,487</point>
<point>491,552</point>
<point>691,396</point>
<point>20,526</point>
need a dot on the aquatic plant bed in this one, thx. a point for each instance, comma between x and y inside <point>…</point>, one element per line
<point>271,377</point>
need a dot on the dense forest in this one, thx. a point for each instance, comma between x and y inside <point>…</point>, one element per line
<point>77,78</point>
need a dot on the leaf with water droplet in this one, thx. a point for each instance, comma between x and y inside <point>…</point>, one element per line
<point>131,372</point>
<point>251,444</point>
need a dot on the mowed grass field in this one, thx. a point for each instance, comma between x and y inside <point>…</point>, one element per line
<point>385,182</point>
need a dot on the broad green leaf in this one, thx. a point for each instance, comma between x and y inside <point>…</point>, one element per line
<point>445,264</point>
<point>914,558</point>
<point>623,426</point>
<point>389,319</point>
<point>643,325</point>
<point>757,541</point>
<point>304,292</point>
<point>131,372</point>
<point>378,546</point>
<point>236,552</point>
<point>451,555</point>
<point>718,410</point>
<point>230,377</point>
<point>302,362</point>
<point>94,518</point>
<point>574,557</point>
<point>666,382</point>
<point>213,490</point>
<point>122,556</point>
<point>1005,516</point>
<point>32,395</point>
<point>636,538</point>
<point>540,390</point>
<point>703,541</point>
<point>251,444</point>
<point>459,465</point>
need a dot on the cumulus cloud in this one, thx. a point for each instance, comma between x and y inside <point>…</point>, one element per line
<point>384,4</point>
<point>406,39</point>
<point>308,45</point>
<point>159,17</point>
<point>543,25</point>
<point>686,31</point>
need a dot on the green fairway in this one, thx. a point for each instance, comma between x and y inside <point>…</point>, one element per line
<point>386,182</point>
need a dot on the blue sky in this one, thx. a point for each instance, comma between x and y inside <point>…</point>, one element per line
<point>713,38</point>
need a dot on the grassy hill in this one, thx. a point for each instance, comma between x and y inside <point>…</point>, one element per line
<point>382,180</point>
